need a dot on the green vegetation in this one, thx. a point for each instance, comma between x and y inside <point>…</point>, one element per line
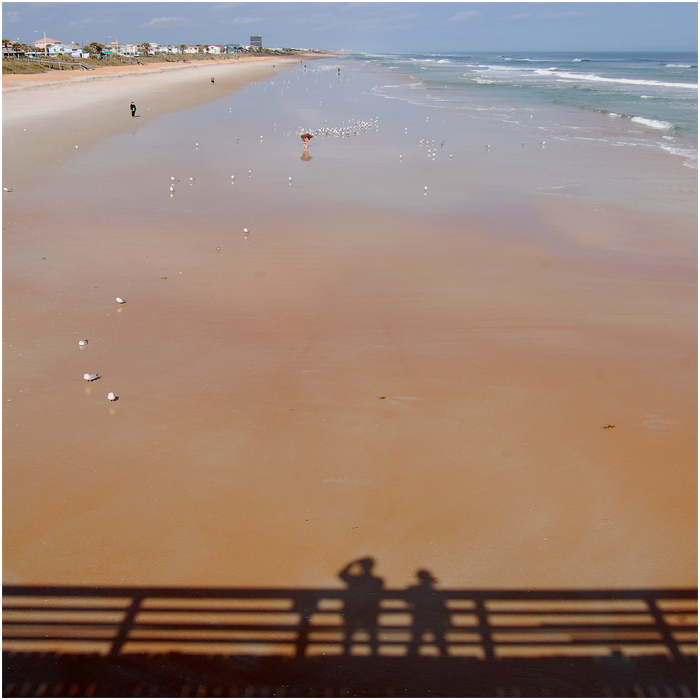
<point>10,66</point>
<point>95,49</point>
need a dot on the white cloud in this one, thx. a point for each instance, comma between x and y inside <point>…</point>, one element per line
<point>463,16</point>
<point>522,15</point>
<point>167,22</point>
<point>11,17</point>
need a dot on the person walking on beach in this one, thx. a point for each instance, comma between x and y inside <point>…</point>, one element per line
<point>305,155</point>
<point>212,81</point>
<point>362,600</point>
<point>133,110</point>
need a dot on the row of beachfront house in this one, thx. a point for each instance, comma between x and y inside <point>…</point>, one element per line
<point>57,48</point>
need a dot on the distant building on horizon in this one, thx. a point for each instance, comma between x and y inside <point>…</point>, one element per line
<point>256,41</point>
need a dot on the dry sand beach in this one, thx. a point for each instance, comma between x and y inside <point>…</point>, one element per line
<point>493,378</point>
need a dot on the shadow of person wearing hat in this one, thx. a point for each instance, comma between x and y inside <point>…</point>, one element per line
<point>430,616</point>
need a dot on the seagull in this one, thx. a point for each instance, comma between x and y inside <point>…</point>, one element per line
<point>542,144</point>
<point>82,342</point>
<point>290,179</point>
<point>120,300</point>
<point>8,189</point>
<point>245,230</point>
<point>172,189</point>
<point>90,377</point>
<point>174,179</point>
<point>111,396</point>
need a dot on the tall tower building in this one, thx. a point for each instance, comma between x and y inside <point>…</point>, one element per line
<point>256,40</point>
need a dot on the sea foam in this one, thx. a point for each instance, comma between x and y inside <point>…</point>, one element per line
<point>623,81</point>
<point>653,123</point>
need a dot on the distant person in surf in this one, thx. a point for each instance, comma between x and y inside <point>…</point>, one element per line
<point>212,81</point>
<point>305,155</point>
<point>133,109</point>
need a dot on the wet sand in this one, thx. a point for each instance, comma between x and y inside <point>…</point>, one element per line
<point>494,381</point>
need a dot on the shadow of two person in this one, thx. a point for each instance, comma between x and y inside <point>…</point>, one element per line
<point>363,606</point>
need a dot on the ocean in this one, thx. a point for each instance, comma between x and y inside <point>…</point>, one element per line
<point>649,100</point>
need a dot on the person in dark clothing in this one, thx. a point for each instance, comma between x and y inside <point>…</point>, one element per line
<point>212,81</point>
<point>133,109</point>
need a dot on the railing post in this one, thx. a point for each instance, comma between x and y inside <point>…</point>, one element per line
<point>664,628</point>
<point>305,604</point>
<point>484,629</point>
<point>126,625</point>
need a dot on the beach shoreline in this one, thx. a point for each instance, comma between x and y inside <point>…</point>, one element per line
<point>478,361</point>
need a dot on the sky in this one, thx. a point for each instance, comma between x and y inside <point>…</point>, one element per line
<point>367,27</point>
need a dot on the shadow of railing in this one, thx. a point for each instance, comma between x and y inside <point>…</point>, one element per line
<point>140,641</point>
